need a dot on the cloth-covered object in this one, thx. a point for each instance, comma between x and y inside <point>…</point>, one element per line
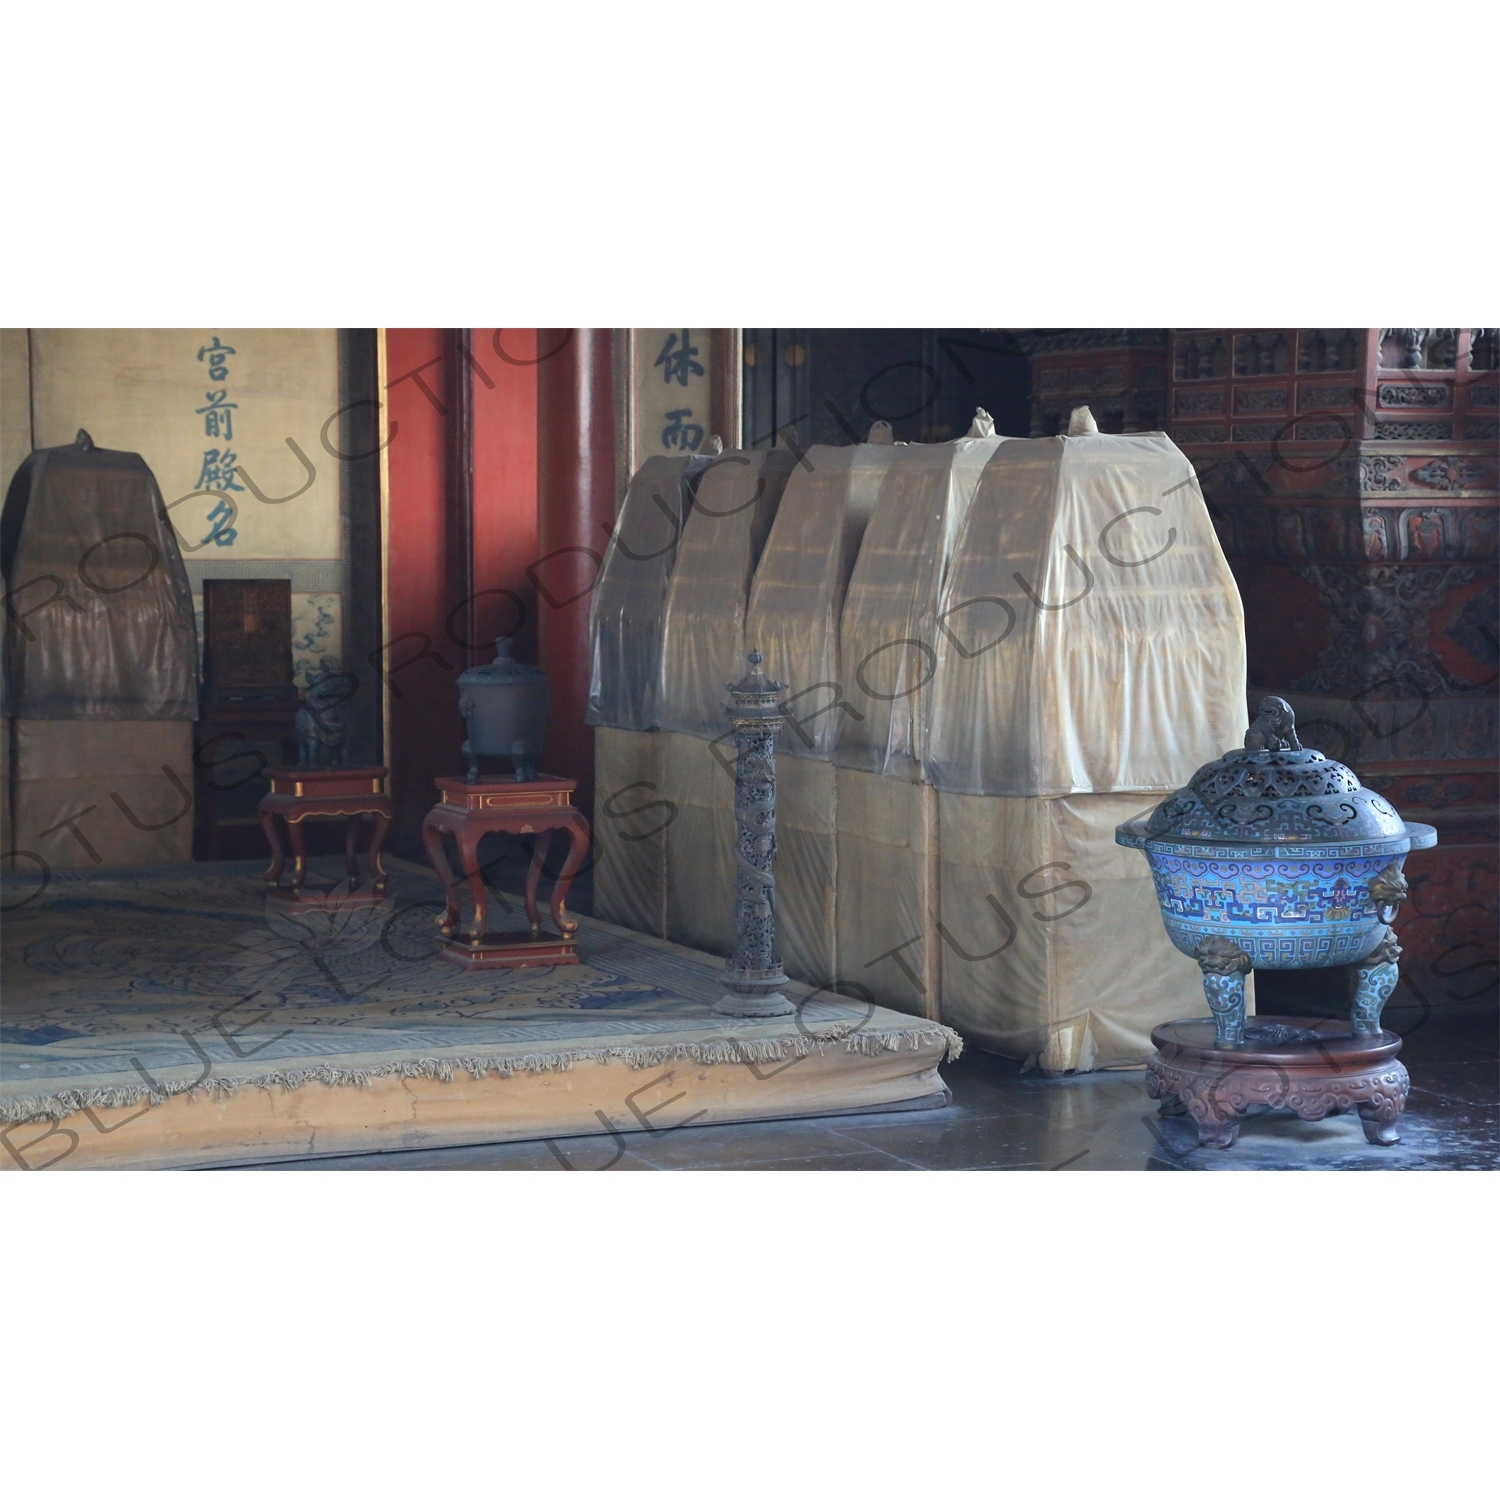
<point>627,610</point>
<point>806,868</point>
<point>94,793</point>
<point>887,890</point>
<point>100,618</point>
<point>797,598</point>
<point>795,606</point>
<point>1038,640</point>
<point>698,778</point>
<point>631,816</point>
<point>885,896</point>
<point>889,626</point>
<point>703,634</point>
<point>1045,932</point>
<point>1091,657</point>
<point>1092,635</point>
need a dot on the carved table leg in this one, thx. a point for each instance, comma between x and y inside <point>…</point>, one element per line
<point>578,831</point>
<point>1218,1123</point>
<point>1163,1084</point>
<point>468,853</point>
<point>432,841</point>
<point>1374,980</point>
<point>1379,1113</point>
<point>272,876</point>
<point>295,832</point>
<point>534,878</point>
<point>378,871</point>
<point>1194,1091</point>
<point>1379,1122</point>
<point>351,864</point>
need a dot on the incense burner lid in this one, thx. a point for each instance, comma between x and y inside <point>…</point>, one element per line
<point>504,669</point>
<point>1275,791</point>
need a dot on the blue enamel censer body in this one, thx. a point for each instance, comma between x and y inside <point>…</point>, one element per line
<point>1275,857</point>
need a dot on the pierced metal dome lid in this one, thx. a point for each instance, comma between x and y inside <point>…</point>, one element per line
<point>504,668</point>
<point>1275,791</point>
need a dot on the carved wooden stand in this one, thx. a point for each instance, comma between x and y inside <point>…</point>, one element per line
<point>350,793</point>
<point>1313,1068</point>
<point>468,811</point>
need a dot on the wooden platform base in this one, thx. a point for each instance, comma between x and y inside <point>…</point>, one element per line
<point>1314,1068</point>
<point>498,950</point>
<point>339,898</point>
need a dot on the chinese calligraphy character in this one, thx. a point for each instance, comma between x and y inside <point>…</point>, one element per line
<point>218,471</point>
<point>686,436</point>
<point>678,363</point>
<point>222,534</point>
<point>217,421</point>
<point>218,354</point>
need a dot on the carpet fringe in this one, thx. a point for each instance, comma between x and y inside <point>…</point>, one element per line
<point>65,1102</point>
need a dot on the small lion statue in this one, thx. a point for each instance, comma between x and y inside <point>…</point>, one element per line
<point>1275,727</point>
<point>322,726</point>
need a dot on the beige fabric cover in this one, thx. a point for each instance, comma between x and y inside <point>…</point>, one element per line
<point>798,592</point>
<point>806,869</point>
<point>888,627</point>
<point>84,769</point>
<point>793,620</point>
<point>886,896</point>
<point>628,603</point>
<point>631,811</point>
<point>1089,969</point>
<point>1131,687</point>
<point>1079,719</point>
<point>887,889</point>
<point>703,637</point>
<point>700,843</point>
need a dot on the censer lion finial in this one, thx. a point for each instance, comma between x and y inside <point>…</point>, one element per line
<point>1275,727</point>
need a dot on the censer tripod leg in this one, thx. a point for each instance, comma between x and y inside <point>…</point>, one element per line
<point>1226,999</point>
<point>1374,980</point>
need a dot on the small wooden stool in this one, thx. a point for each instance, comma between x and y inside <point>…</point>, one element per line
<point>297,795</point>
<point>494,804</point>
<point>1312,1067</point>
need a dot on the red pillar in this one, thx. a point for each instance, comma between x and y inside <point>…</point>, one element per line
<point>422,656</point>
<point>575,514</point>
<point>504,384</point>
<point>451,542</point>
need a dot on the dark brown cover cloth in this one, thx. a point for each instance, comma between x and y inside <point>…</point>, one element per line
<point>99,613</point>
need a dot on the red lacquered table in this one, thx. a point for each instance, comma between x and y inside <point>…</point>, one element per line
<point>350,793</point>
<point>469,810</point>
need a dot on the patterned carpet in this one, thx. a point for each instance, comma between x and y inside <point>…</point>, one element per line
<point>130,985</point>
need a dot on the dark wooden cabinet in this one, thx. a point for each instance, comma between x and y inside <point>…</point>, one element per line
<point>247,641</point>
<point>249,708</point>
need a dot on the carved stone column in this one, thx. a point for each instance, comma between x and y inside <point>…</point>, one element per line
<point>754,978</point>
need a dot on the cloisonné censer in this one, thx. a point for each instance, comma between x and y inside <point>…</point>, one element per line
<point>1275,857</point>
